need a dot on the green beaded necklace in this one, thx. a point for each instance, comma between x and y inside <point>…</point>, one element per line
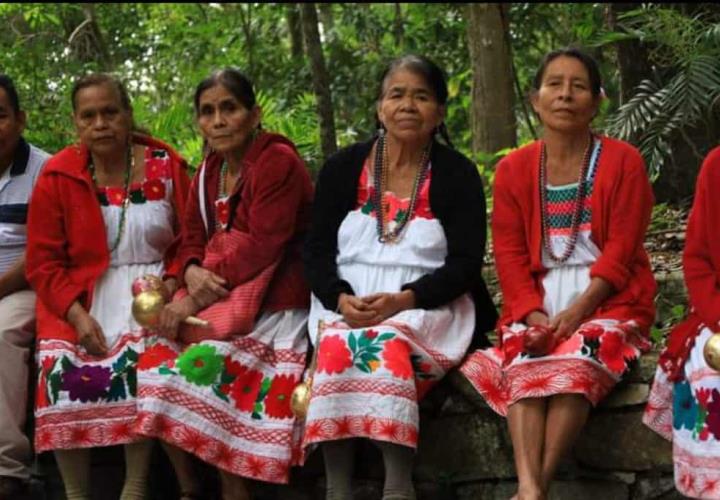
<point>130,166</point>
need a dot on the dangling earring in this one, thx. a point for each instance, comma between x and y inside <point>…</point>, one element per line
<point>381,131</point>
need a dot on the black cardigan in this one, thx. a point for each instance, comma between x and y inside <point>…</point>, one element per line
<point>457,200</point>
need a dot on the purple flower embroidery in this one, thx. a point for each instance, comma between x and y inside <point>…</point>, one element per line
<point>86,383</point>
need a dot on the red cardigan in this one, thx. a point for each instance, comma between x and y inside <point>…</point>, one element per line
<point>621,205</point>
<point>66,253</point>
<point>272,215</point>
<point>701,266</point>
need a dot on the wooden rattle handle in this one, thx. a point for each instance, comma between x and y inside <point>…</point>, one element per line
<point>192,320</point>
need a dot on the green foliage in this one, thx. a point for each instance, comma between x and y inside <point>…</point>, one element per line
<point>686,89</point>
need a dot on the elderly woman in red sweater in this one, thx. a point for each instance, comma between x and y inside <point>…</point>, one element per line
<point>570,214</point>
<point>103,213</point>
<point>684,403</point>
<point>225,397</point>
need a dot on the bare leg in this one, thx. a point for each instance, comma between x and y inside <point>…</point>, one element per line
<point>182,462</point>
<point>233,487</point>
<point>566,416</point>
<point>526,422</point>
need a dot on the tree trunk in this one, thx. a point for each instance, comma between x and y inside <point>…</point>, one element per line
<point>398,22</point>
<point>632,55</point>
<point>320,78</point>
<point>493,117</point>
<point>292,15</point>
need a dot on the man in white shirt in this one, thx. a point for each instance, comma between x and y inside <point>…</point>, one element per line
<point>20,164</point>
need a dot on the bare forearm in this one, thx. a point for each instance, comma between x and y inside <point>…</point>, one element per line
<point>13,279</point>
<point>595,294</point>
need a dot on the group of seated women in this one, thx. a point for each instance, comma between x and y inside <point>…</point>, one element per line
<point>378,267</point>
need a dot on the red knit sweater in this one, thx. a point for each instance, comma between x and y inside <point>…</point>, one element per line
<point>621,205</point>
<point>66,250</point>
<point>701,266</point>
<point>272,215</point>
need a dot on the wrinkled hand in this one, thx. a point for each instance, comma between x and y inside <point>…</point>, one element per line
<point>170,287</point>
<point>356,312</point>
<point>386,305</point>
<point>173,314</point>
<point>89,332</point>
<point>205,286</point>
<point>566,322</point>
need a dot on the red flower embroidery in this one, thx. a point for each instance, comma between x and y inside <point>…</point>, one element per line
<point>614,351</point>
<point>156,169</point>
<point>396,354</point>
<point>234,369</point>
<point>154,189</point>
<point>511,347</point>
<point>222,211</point>
<point>115,195</point>
<point>155,356</point>
<point>591,331</point>
<point>277,404</point>
<point>703,396</point>
<point>333,356</point>
<point>371,334</point>
<point>245,389</point>
<point>571,345</point>
<point>713,418</point>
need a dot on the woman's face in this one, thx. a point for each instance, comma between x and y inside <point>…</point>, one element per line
<point>408,108</point>
<point>565,101</point>
<point>224,121</point>
<point>102,123</point>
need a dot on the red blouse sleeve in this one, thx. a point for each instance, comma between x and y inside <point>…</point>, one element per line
<point>47,260</point>
<point>512,250</point>
<point>630,209</point>
<point>701,276</point>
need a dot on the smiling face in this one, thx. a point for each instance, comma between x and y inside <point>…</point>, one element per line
<point>101,121</point>
<point>224,121</point>
<point>565,101</point>
<point>408,108</point>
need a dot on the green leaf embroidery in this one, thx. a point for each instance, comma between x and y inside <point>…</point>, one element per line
<point>117,389</point>
<point>373,349</point>
<point>352,342</point>
<point>363,341</point>
<point>120,364</point>
<point>66,364</point>
<point>219,393</point>
<point>131,355</point>
<point>132,382</point>
<point>367,357</point>
<point>363,367</point>
<point>164,370</point>
<point>264,389</point>
<point>385,336</point>
<point>227,378</point>
<point>55,381</point>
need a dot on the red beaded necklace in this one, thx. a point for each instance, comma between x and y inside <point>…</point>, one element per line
<point>579,203</point>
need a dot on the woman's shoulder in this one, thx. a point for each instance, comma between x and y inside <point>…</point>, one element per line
<point>711,165</point>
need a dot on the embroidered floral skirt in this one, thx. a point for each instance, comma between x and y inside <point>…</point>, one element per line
<point>368,381</point>
<point>688,413</point>
<point>83,401</point>
<point>228,402</point>
<point>589,362</point>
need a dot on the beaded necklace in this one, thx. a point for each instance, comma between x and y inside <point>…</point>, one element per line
<point>130,167</point>
<point>577,211</point>
<point>380,173</point>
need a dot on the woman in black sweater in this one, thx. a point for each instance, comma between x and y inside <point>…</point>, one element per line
<point>394,260</point>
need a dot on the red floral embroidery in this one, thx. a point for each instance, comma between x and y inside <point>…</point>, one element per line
<point>277,404</point>
<point>155,356</point>
<point>115,195</point>
<point>234,369</point>
<point>396,354</point>
<point>713,418</point>
<point>703,396</point>
<point>222,211</point>
<point>154,189</point>
<point>511,347</point>
<point>245,389</point>
<point>371,334</point>
<point>571,345</point>
<point>614,351</point>
<point>592,331</point>
<point>333,356</point>
<point>156,169</point>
